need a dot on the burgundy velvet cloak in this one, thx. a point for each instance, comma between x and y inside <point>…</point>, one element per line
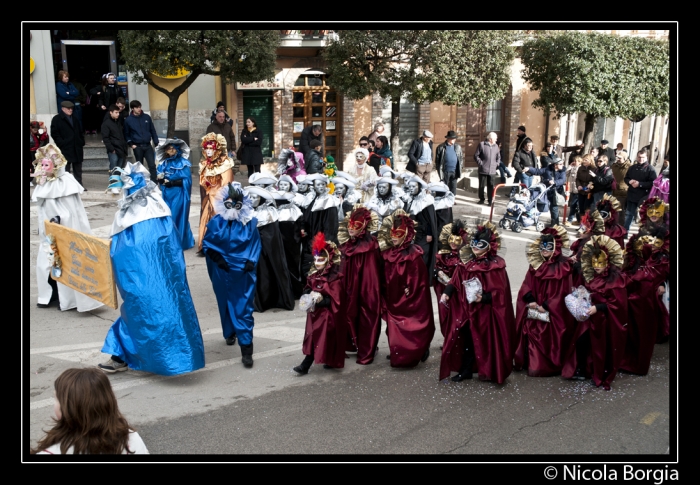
<point>361,267</point>
<point>542,346</point>
<point>326,329</point>
<point>607,330</point>
<point>616,231</point>
<point>446,263</point>
<point>407,305</point>
<point>661,263</point>
<point>492,325</point>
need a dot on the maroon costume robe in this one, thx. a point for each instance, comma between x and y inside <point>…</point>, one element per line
<point>361,267</point>
<point>446,262</point>
<point>607,330</point>
<point>615,231</point>
<point>662,264</point>
<point>492,325</point>
<point>326,328</point>
<point>542,346</point>
<point>407,306</point>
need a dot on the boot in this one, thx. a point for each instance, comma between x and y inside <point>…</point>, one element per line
<point>304,367</point>
<point>465,371</point>
<point>247,355</point>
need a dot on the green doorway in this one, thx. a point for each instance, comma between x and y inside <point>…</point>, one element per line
<point>258,104</point>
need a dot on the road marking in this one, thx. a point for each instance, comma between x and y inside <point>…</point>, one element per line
<point>66,348</point>
<point>650,418</point>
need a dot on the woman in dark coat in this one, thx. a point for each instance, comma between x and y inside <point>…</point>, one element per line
<point>251,139</point>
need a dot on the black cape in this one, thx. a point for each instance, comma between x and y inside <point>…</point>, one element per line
<point>273,288</point>
<point>426,224</point>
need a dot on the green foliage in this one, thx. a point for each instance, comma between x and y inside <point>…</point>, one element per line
<point>455,67</point>
<point>598,74</point>
<point>213,52</point>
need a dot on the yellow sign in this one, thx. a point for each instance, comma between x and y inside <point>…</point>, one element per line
<point>181,72</point>
<point>31,65</point>
<point>85,265</point>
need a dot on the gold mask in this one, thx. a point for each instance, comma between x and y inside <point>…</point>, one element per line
<point>656,211</point>
<point>652,241</point>
<point>600,261</point>
<point>455,239</point>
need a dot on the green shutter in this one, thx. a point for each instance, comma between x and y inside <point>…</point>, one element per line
<point>258,104</point>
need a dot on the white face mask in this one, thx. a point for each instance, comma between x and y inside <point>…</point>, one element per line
<point>284,186</point>
<point>255,200</point>
<point>383,189</point>
<point>209,152</point>
<point>319,187</point>
<point>414,188</point>
<point>320,262</point>
<point>340,189</point>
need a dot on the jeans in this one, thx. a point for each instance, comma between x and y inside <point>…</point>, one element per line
<point>554,212</point>
<point>631,212</point>
<point>573,208</point>
<point>526,179</point>
<point>450,180</point>
<point>146,151</point>
<point>115,161</point>
<point>486,181</point>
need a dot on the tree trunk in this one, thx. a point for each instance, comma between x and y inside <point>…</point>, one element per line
<point>395,112</point>
<point>588,131</point>
<point>172,112</point>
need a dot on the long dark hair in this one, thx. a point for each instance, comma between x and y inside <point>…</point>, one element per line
<point>255,124</point>
<point>90,420</point>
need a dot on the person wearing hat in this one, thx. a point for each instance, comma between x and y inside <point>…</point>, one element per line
<point>345,191</point>
<point>290,163</point>
<point>289,221</point>
<point>304,195</point>
<point>262,180</point>
<point>449,160</point>
<point>69,137</point>
<point>386,198</point>
<point>608,151</point>
<point>365,174</point>
<point>221,108</point>
<point>608,207</point>
<point>321,215</point>
<point>420,206</point>
<point>444,200</point>
<point>452,237</point>
<point>520,139</point>
<point>488,158</point>
<point>175,179</point>
<point>420,156</point>
<point>219,126</point>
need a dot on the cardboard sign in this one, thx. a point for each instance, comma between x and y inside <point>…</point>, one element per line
<point>85,263</point>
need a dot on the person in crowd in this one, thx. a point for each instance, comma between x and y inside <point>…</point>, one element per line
<point>320,215</point>
<point>602,179</point>
<point>444,200</point>
<point>556,147</point>
<point>571,173</point>
<point>57,198</point>
<point>289,219</point>
<point>420,156</point>
<point>251,142</point>
<point>87,418</point>
<point>607,150</point>
<point>608,208</point>
<point>113,138</point>
<point>503,171</point>
<point>407,306</point>
<point>575,150</point>
<point>69,138</point>
<point>554,177</point>
<point>619,169</point>
<point>215,172</point>
<point>313,160</point>
<point>149,269</point>
<point>598,343</point>
<point>639,179</point>
<point>449,160</point>
<point>109,93</point>
<point>325,302</point>
<point>365,174</point>
<point>520,138</point>
<point>453,237</point>
<point>584,183</point>
<point>420,206</point>
<point>38,137</point>
<point>308,134</point>
<point>291,164</point>
<point>80,102</point>
<point>544,326</point>
<point>345,191</point>
<point>661,187</point>
<point>382,150</point>
<point>140,132</point>
<point>219,126</point>
<point>525,157</point>
<point>361,267</point>
<point>378,131</point>
<point>592,224</point>
<point>232,246</point>
<point>547,155</point>
<point>594,152</point>
<point>175,180</point>
<point>66,91</point>
<point>221,108</point>
<point>480,331</point>
<point>385,199</point>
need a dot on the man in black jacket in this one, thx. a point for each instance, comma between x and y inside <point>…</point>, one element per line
<point>487,157</point>
<point>67,133</point>
<point>113,138</point>
<point>420,156</point>
<point>606,150</point>
<point>525,157</point>
<point>449,160</point>
<point>309,133</point>
<point>639,179</point>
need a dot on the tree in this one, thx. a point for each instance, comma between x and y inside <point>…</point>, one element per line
<point>235,55</point>
<point>601,75</point>
<point>455,67</point>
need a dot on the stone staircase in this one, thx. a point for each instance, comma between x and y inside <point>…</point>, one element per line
<point>95,155</point>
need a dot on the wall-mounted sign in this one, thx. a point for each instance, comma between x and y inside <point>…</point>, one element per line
<point>271,85</point>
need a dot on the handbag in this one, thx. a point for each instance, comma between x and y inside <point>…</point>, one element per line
<point>561,200</point>
<point>578,302</point>
<point>239,152</point>
<point>533,314</point>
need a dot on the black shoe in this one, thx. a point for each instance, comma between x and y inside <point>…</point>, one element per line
<point>247,355</point>
<point>42,305</point>
<point>301,370</point>
<point>326,366</point>
<point>232,339</point>
<point>490,202</point>
<point>579,375</point>
<point>480,202</point>
<point>462,377</point>
<point>425,356</point>
<point>388,356</point>
<point>200,254</point>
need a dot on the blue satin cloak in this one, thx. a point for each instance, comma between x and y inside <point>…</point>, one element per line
<point>178,198</point>
<point>235,289</point>
<point>158,330</point>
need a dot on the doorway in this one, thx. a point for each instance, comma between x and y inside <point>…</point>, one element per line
<point>316,103</point>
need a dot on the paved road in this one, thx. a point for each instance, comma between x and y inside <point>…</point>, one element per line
<point>374,410</point>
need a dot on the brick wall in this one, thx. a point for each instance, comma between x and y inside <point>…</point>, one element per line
<point>347,142</point>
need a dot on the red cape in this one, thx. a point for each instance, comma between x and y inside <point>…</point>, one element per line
<point>446,263</point>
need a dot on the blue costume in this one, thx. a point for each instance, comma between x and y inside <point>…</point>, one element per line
<point>232,247</point>
<point>158,330</point>
<point>175,178</point>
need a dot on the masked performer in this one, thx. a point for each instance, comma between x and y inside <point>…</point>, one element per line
<point>289,221</point>
<point>407,307</point>
<point>443,202</point>
<point>361,267</point>
<point>481,330</point>
<point>592,224</point>
<point>608,207</point>
<point>57,195</point>
<point>232,246</point>
<point>215,171</point>
<point>365,174</point>
<point>544,324</point>
<point>325,304</point>
<point>452,237</point>
<point>320,215</point>
<point>175,179</point>
<point>263,181</point>
<point>273,288</point>
<point>290,163</point>
<point>598,344</point>
<point>420,206</point>
<point>386,198</point>
<point>345,192</point>
<point>158,330</point>
<point>645,310</point>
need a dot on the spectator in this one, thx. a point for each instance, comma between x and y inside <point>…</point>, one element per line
<point>80,101</point>
<point>556,147</point>
<point>313,159</point>
<point>620,147</point>
<point>309,134</point>
<point>576,150</point>
<point>525,157</point>
<point>110,92</point>
<point>139,131</point>
<point>37,138</point>
<point>220,108</point>
<point>520,139</point>
<point>607,151</point>
<point>378,131</point>
<point>547,156</point>
<point>619,168</point>
<point>502,169</point>
<point>114,141</point>
<point>123,113</point>
<point>584,183</point>
<point>383,151</point>
<point>449,160</point>
<point>488,158</point>
<point>594,152</point>
<point>420,156</point>
<point>68,136</point>
<point>602,179</point>
<point>571,173</point>
<point>66,91</point>
<point>87,418</point>
<point>251,142</point>
<point>640,179</point>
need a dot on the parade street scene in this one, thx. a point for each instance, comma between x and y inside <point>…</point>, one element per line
<point>316,268</point>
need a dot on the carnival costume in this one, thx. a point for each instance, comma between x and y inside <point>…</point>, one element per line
<point>320,215</point>
<point>346,193</point>
<point>452,237</point>
<point>289,221</point>
<point>480,334</point>
<point>542,341</point>
<point>444,200</point>
<point>290,163</point>
<point>215,171</point>
<point>365,174</point>
<point>57,195</point>
<point>598,344</point>
<point>420,206</point>
<point>592,224</point>
<point>232,247</point>
<point>407,307</point>
<point>609,207</point>
<point>175,179</point>
<point>158,330</point>
<point>361,267</point>
<point>325,303</point>
<point>386,198</point>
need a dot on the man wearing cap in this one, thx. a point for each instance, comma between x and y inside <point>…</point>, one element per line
<point>420,156</point>
<point>608,151</point>
<point>488,157</point>
<point>68,135</point>
<point>521,137</point>
<point>449,160</point>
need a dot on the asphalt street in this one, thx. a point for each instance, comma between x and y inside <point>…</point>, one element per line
<point>225,412</point>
